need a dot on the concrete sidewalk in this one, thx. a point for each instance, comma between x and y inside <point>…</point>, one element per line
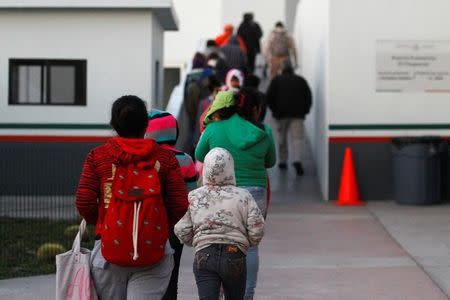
<point>317,251</point>
<point>424,231</point>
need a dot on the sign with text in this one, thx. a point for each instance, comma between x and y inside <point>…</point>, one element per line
<point>413,66</point>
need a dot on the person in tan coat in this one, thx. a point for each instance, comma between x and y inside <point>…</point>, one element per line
<point>279,47</point>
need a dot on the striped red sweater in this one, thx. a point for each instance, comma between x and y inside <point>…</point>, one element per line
<point>94,189</point>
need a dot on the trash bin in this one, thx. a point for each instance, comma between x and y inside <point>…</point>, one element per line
<point>419,169</point>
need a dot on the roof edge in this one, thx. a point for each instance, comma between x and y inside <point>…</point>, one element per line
<point>163,9</point>
<point>137,4</point>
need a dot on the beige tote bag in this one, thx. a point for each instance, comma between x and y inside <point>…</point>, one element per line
<point>73,273</point>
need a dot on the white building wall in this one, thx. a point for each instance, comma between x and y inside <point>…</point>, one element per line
<point>291,12</point>
<point>114,43</point>
<point>312,36</point>
<point>355,27</point>
<point>204,19</point>
<point>199,19</point>
<point>157,48</point>
<point>266,12</point>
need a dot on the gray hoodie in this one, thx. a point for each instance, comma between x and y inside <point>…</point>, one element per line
<point>219,212</point>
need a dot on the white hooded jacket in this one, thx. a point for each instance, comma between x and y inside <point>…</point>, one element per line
<point>219,212</point>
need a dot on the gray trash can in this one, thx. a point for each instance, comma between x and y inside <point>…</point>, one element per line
<point>418,169</point>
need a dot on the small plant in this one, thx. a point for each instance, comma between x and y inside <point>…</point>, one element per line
<point>47,251</point>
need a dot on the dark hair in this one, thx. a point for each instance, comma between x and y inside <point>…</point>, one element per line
<point>248,17</point>
<point>279,24</point>
<point>252,81</point>
<point>211,43</point>
<point>234,78</point>
<point>246,100</point>
<point>214,83</point>
<point>199,61</point>
<point>129,116</point>
<point>226,112</point>
<point>213,55</point>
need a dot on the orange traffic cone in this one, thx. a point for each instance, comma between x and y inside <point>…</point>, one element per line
<point>348,190</point>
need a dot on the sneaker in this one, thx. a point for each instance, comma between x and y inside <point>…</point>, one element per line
<point>299,168</point>
<point>282,166</point>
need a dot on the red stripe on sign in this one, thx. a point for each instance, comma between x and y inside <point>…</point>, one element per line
<point>53,139</point>
<point>359,139</point>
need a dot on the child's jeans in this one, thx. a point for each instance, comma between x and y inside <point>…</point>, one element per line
<point>220,264</point>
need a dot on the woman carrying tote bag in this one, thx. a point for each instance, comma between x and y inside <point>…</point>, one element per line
<point>73,274</point>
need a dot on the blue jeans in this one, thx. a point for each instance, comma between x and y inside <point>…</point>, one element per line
<point>260,195</point>
<point>220,264</point>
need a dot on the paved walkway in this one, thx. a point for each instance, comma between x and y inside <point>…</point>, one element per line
<point>320,251</point>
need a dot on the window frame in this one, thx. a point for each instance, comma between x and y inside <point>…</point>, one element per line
<point>80,66</point>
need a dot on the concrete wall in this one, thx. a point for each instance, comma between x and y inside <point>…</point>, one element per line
<point>203,19</point>
<point>199,19</point>
<point>311,34</point>
<point>373,167</point>
<point>116,45</point>
<point>290,12</point>
<point>355,28</point>
<point>157,47</point>
<point>266,12</point>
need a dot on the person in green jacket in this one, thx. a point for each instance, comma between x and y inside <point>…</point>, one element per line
<point>232,124</point>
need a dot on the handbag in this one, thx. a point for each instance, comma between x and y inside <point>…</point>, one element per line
<point>73,273</point>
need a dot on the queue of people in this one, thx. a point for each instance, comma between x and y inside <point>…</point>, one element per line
<point>134,189</point>
<point>147,199</point>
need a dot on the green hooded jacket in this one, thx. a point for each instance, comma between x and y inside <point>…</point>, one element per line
<point>252,148</point>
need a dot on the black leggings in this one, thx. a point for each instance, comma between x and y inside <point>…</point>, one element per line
<point>172,289</point>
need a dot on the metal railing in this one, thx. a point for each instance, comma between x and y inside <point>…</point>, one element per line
<point>37,187</point>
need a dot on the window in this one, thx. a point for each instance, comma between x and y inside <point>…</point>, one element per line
<point>47,82</point>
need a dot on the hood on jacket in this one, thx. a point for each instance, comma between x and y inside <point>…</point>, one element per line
<point>236,73</point>
<point>162,127</point>
<point>223,99</point>
<point>228,28</point>
<point>127,150</point>
<point>249,134</point>
<point>218,168</point>
<point>248,17</point>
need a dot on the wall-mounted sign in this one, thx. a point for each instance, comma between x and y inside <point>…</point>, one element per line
<point>413,66</point>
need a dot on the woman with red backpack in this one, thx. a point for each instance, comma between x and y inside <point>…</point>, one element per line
<point>133,191</point>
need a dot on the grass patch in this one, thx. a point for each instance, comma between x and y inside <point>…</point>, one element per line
<point>20,239</point>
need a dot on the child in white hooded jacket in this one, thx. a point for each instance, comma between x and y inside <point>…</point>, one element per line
<point>222,222</point>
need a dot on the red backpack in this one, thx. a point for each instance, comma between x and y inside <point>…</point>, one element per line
<point>135,228</point>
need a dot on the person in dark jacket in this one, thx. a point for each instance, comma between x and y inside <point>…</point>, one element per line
<point>235,58</point>
<point>252,81</point>
<point>251,33</point>
<point>217,63</point>
<point>289,99</point>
